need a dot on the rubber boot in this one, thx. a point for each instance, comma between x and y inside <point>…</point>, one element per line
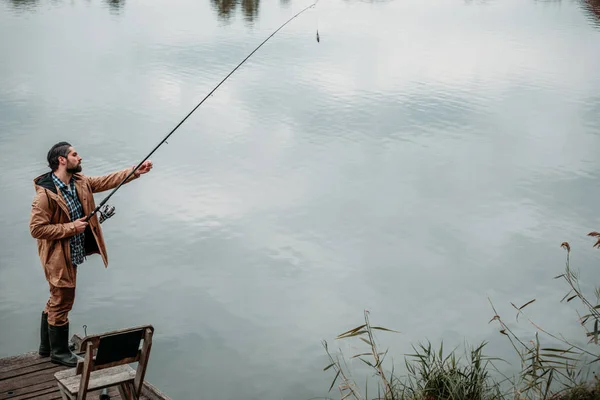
<point>44,350</point>
<point>59,342</point>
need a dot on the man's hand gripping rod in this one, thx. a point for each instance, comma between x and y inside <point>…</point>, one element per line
<point>103,202</point>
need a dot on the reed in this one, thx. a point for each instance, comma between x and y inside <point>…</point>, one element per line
<point>562,370</point>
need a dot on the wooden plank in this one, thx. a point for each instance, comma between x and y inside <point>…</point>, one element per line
<point>72,372</point>
<point>24,364</point>
<point>28,389</point>
<point>153,393</point>
<point>11,373</point>
<point>37,394</point>
<point>98,379</point>
<point>140,373</point>
<point>129,360</point>
<point>55,395</point>
<point>65,373</point>
<point>11,362</point>
<point>29,380</point>
<point>84,379</point>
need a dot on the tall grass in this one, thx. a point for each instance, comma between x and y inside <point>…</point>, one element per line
<point>563,371</point>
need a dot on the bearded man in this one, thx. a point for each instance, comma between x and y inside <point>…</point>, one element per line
<point>63,199</point>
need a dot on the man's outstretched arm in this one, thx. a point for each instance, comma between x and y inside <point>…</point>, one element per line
<point>111,181</point>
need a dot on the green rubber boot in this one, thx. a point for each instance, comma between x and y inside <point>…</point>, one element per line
<point>44,349</point>
<point>59,342</point>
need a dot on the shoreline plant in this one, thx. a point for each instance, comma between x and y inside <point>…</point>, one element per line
<point>551,368</point>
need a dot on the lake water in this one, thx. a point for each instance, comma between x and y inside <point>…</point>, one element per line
<point>423,157</point>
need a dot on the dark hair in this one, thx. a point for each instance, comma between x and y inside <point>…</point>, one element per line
<point>60,149</point>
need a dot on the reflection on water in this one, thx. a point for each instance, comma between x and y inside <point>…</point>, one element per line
<point>23,4</point>
<point>226,8</point>
<point>115,5</point>
<point>593,7</point>
<point>413,158</point>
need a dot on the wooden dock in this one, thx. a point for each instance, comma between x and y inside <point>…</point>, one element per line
<point>29,376</point>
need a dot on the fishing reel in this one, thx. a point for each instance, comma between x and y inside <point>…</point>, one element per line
<point>106,212</point>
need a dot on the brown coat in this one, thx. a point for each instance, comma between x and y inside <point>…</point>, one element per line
<point>51,224</point>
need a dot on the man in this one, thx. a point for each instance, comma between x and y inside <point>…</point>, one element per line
<point>64,197</point>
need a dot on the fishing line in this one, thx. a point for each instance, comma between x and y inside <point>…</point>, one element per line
<point>317,19</point>
<point>194,109</point>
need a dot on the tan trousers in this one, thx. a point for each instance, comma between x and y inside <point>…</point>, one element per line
<point>59,304</point>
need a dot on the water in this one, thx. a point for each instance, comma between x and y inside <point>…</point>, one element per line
<point>421,158</point>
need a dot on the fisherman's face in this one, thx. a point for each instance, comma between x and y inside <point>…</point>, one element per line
<point>73,161</point>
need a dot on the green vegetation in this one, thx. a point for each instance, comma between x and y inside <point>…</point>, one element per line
<point>558,372</point>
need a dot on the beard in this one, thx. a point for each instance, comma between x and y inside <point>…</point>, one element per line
<point>74,169</point>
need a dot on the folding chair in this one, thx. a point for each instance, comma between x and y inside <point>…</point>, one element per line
<point>106,363</point>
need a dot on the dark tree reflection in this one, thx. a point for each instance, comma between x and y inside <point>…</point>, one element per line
<point>24,4</point>
<point>116,6</point>
<point>593,8</point>
<point>226,8</point>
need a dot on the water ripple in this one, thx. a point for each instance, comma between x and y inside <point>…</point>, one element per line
<point>406,158</point>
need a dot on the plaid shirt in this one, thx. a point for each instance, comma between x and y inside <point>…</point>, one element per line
<point>76,211</point>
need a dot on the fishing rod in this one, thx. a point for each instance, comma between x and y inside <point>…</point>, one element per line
<point>103,202</point>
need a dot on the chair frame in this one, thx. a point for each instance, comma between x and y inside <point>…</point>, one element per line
<point>87,365</point>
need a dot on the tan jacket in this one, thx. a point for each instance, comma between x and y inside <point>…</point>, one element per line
<point>51,224</point>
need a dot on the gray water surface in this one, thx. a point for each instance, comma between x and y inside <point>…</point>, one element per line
<point>423,157</point>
